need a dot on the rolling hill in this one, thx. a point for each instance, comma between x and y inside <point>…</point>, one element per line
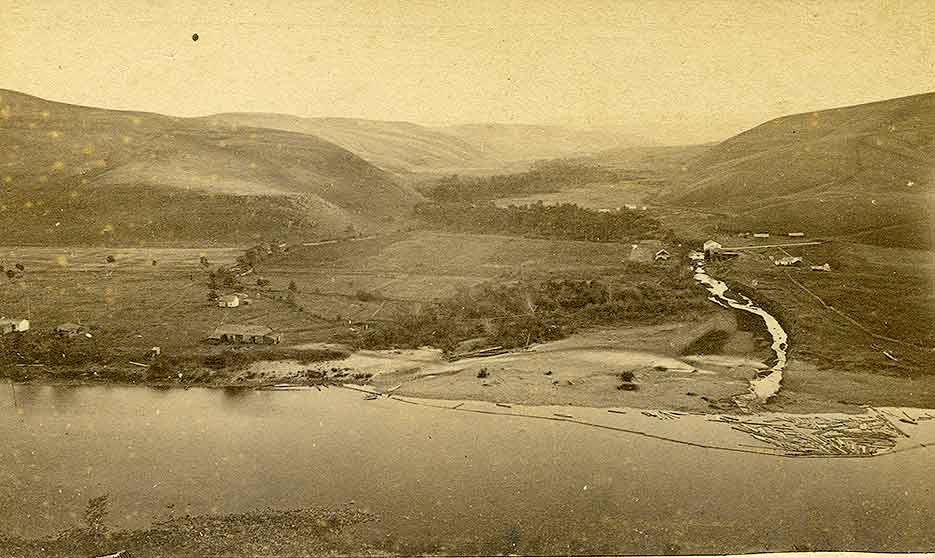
<point>864,172</point>
<point>393,146</point>
<point>80,175</point>
<point>522,142</point>
<point>404,147</point>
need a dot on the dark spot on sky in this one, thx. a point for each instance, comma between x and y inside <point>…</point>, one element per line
<point>195,37</point>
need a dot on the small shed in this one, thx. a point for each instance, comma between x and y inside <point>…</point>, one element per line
<point>760,235</point>
<point>229,301</point>
<point>712,247</point>
<point>796,234</point>
<point>823,267</point>
<point>788,261</point>
<point>251,334</point>
<point>69,329</point>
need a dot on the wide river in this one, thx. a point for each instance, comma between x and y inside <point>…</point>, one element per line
<point>440,480</point>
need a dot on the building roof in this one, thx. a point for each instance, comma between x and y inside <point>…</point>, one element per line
<point>228,297</point>
<point>236,329</point>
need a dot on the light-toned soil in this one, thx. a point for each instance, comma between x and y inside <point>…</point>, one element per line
<point>581,370</point>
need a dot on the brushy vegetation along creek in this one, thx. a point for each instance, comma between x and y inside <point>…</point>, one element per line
<point>521,312</point>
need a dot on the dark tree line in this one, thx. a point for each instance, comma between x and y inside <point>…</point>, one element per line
<point>564,222</point>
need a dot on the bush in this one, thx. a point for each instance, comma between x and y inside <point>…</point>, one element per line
<point>366,296</point>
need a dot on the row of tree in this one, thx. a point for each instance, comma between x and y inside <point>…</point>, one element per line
<point>564,221</point>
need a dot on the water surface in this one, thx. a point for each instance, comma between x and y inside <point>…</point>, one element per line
<point>442,481</point>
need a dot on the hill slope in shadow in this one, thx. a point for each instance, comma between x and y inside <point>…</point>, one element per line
<point>81,175</point>
<point>865,172</point>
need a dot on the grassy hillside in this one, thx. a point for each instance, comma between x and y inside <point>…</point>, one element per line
<point>79,175</point>
<point>864,172</point>
<point>521,142</point>
<point>407,147</point>
<point>665,160</point>
<point>394,146</point>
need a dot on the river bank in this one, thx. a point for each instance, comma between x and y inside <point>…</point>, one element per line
<point>297,532</point>
<point>666,367</point>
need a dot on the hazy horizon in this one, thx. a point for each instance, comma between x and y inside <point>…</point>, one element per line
<point>668,73</point>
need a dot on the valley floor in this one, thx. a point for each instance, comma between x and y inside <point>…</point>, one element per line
<point>158,298</point>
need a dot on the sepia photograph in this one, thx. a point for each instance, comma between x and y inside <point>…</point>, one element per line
<point>389,278</point>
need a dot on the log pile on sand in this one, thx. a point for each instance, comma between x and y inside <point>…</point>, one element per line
<point>820,436</point>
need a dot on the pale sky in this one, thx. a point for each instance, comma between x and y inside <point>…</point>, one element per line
<point>674,72</point>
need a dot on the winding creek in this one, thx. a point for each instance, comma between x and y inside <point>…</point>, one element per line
<point>764,386</point>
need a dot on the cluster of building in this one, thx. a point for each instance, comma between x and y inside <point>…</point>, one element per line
<point>766,235</point>
<point>628,206</point>
<point>713,250</point>
<point>13,325</point>
<point>244,334</point>
<point>68,329</point>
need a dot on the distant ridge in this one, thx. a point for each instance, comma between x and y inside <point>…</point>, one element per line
<point>393,146</point>
<point>83,175</point>
<point>526,142</point>
<point>863,172</point>
<point>408,147</point>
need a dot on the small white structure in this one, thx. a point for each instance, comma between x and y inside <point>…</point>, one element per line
<point>824,267</point>
<point>788,260</point>
<point>760,235</point>
<point>630,206</point>
<point>661,255</point>
<point>10,325</point>
<point>228,301</point>
<point>712,247</point>
<point>695,256</point>
<point>797,234</point>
